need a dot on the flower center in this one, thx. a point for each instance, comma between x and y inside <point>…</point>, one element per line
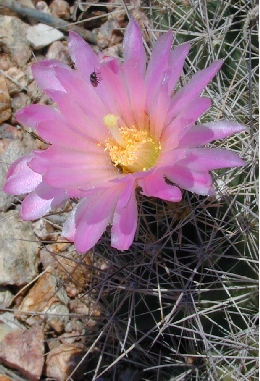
<point>131,150</point>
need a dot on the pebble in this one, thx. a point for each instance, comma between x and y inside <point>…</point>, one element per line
<point>18,250</point>
<point>49,297</point>
<point>24,350</point>
<point>6,297</point>
<point>5,102</point>
<point>60,9</point>
<point>16,80</point>
<point>13,39</point>
<point>42,35</point>
<point>61,362</point>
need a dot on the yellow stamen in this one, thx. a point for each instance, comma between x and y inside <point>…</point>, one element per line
<point>110,121</point>
<point>131,150</point>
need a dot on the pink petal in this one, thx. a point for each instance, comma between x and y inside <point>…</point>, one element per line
<point>84,176</point>
<point>224,128</point>
<point>90,129</point>
<point>93,216</point>
<point>115,88</point>
<point>176,62</point>
<point>171,157</point>
<point>155,186</point>
<point>81,91</point>
<point>31,115</point>
<point>124,223</point>
<point>20,178</point>
<point>200,135</point>
<point>198,182</point>
<point>158,112</point>
<point>82,54</point>
<point>133,46</point>
<point>186,118</point>
<point>55,132</point>
<point>157,65</point>
<point>137,93</point>
<point>45,76</point>
<point>195,136</point>
<point>41,201</point>
<point>206,159</point>
<point>60,155</point>
<point>193,89</point>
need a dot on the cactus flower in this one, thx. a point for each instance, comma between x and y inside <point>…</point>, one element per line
<point>117,127</point>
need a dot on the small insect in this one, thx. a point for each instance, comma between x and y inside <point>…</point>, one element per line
<point>95,78</point>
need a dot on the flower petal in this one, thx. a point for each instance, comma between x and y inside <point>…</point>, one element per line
<point>155,186</point>
<point>31,115</point>
<point>45,76</point>
<point>176,62</point>
<point>81,91</point>
<point>158,112</point>
<point>137,92</point>
<point>200,159</point>
<point>92,217</point>
<point>82,123</point>
<point>224,128</point>
<point>56,132</point>
<point>133,46</point>
<point>158,64</point>
<point>186,118</point>
<point>198,182</point>
<point>193,89</point>
<point>20,177</point>
<point>124,222</point>
<point>84,176</point>
<point>41,201</point>
<point>82,54</point>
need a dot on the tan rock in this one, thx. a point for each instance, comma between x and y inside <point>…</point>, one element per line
<point>58,50</point>
<point>60,9</point>
<point>62,361</point>
<point>4,378</point>
<point>24,350</point>
<point>48,297</point>
<point>13,39</point>
<point>18,250</point>
<point>71,267</point>
<point>16,80</point>
<point>5,102</point>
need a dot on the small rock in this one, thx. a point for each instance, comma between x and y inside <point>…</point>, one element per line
<point>70,267</point>
<point>6,297</point>
<point>24,350</point>
<point>49,297</point>
<point>44,230</point>
<point>60,9</point>
<point>19,101</point>
<point>59,51</point>
<point>109,34</point>
<point>9,132</point>
<point>42,6</point>
<point>5,329</point>
<point>5,102</point>
<point>13,39</point>
<point>8,319</point>
<point>34,92</point>
<point>18,250</point>
<point>5,61</point>
<point>42,35</point>
<point>62,361</point>
<point>19,80</point>
<point>4,378</point>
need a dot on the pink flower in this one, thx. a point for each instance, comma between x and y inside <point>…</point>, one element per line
<point>117,127</point>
